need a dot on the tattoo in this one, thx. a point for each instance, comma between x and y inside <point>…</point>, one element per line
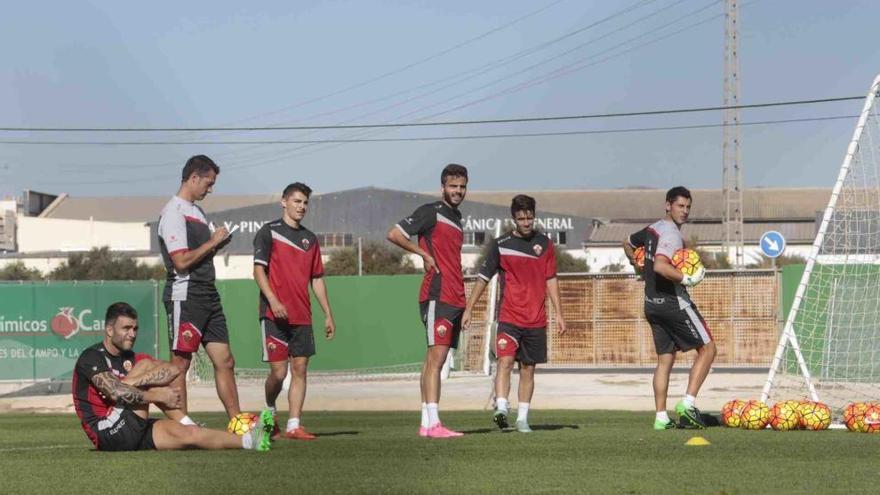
<point>161,375</point>
<point>113,388</point>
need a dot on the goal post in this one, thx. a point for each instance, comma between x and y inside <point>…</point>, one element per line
<point>829,349</point>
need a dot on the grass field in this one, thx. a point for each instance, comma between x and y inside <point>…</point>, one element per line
<point>570,452</point>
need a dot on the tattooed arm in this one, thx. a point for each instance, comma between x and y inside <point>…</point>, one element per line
<point>150,373</point>
<point>127,395</point>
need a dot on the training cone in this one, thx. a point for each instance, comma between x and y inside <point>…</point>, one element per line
<point>697,441</point>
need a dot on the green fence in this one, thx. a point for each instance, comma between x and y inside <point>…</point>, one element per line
<point>377,323</point>
<point>44,327</point>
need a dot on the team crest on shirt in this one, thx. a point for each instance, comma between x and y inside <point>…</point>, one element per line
<point>187,336</point>
<point>127,365</point>
<point>502,343</point>
<point>305,244</point>
<point>441,330</point>
<point>271,346</point>
<point>537,249</point>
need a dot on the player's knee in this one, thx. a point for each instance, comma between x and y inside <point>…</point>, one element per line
<point>505,364</point>
<point>226,362</point>
<point>710,350</point>
<point>278,374</point>
<point>181,361</point>
<point>300,370</point>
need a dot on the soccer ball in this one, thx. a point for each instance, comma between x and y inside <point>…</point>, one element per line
<point>730,413</point>
<point>784,417</point>
<point>872,419</point>
<point>241,423</point>
<point>687,261</point>
<point>755,415</point>
<point>854,416</point>
<point>815,416</point>
<point>639,258</point>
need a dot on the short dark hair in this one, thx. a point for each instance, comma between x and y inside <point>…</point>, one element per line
<point>453,170</point>
<point>200,165</point>
<point>677,191</point>
<point>296,186</point>
<point>117,309</point>
<point>521,202</point>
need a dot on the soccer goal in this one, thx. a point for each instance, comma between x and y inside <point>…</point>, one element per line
<point>829,349</point>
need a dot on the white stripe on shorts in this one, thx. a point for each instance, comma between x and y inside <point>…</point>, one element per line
<point>175,323</point>
<point>429,324</point>
<point>263,333</point>
<point>698,324</point>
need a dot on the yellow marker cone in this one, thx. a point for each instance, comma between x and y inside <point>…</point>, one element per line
<point>697,441</point>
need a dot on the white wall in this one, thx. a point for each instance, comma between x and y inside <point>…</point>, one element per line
<point>36,235</point>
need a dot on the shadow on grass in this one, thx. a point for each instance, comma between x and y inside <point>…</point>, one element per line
<point>337,433</point>
<point>479,431</point>
<point>554,427</point>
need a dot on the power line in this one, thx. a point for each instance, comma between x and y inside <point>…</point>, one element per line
<point>439,138</point>
<point>434,124</point>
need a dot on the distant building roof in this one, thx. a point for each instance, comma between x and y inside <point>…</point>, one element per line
<point>761,204</point>
<point>647,204</point>
<point>708,233</point>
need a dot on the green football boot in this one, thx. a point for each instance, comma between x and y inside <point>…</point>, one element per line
<point>689,417</point>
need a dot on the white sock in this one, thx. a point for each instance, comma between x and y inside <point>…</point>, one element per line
<point>662,416</point>
<point>433,413</point>
<point>689,401</point>
<point>292,424</point>
<point>247,441</point>
<point>501,404</point>
<point>186,420</point>
<point>425,415</point>
<point>522,412</point>
<point>271,408</point>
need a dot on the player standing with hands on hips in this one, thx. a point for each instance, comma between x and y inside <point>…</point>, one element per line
<point>441,298</point>
<point>675,322</point>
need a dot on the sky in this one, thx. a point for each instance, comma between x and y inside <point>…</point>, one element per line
<point>224,63</point>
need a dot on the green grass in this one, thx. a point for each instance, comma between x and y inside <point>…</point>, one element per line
<point>570,452</point>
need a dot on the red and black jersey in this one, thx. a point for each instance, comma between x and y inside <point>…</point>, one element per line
<point>292,258</point>
<point>95,411</point>
<point>524,264</point>
<point>661,239</point>
<point>438,226</point>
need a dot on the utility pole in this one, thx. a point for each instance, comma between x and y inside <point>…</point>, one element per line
<point>732,192</point>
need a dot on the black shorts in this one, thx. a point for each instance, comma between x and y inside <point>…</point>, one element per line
<point>526,345</point>
<point>442,323</point>
<point>191,323</point>
<point>676,329</point>
<point>282,340</point>
<point>125,430</point>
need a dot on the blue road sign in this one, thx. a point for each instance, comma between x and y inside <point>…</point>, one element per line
<point>772,244</point>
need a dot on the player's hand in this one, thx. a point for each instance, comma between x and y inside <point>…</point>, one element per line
<point>561,327</point>
<point>219,235</point>
<point>429,263</point>
<point>168,396</point>
<point>329,328</point>
<point>278,309</point>
<point>692,280</point>
<point>466,319</point>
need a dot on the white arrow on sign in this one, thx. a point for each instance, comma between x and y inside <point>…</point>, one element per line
<point>773,245</point>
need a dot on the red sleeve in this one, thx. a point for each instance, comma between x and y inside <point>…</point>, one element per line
<point>317,263</point>
<point>550,261</point>
<point>140,356</point>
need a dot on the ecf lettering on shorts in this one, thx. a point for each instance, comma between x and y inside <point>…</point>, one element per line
<point>125,430</point>
<point>442,323</point>
<point>282,340</point>
<point>526,345</point>
<point>191,324</point>
<point>676,329</point>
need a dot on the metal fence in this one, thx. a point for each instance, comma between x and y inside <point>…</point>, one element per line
<point>607,326</point>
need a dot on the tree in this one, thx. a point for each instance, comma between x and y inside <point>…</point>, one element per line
<point>613,268</point>
<point>102,264</point>
<point>378,259</point>
<point>782,260</point>
<point>18,271</point>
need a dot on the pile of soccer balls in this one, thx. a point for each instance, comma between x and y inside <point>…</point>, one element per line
<point>798,415</point>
